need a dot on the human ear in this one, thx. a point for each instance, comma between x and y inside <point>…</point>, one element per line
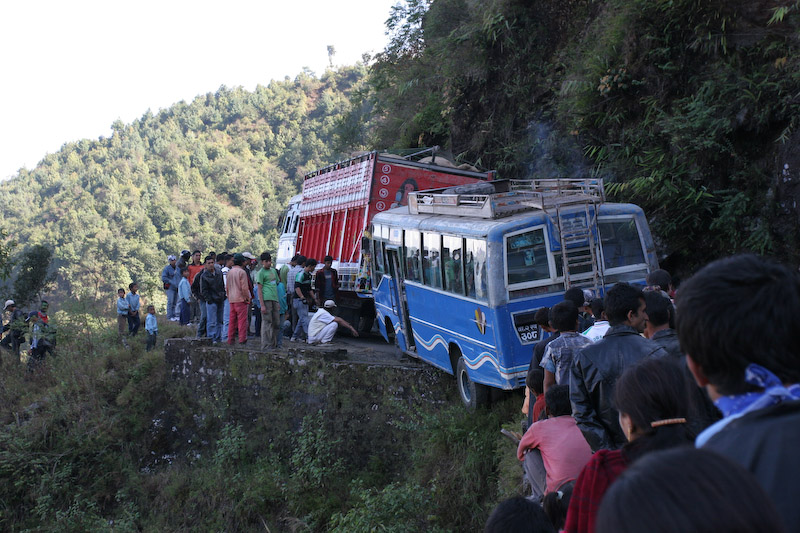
<point>697,371</point>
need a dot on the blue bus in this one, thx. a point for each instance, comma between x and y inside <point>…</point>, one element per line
<point>459,275</point>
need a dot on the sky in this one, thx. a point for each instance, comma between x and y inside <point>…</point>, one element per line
<point>70,69</point>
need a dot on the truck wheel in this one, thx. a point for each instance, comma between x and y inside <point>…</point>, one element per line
<point>472,394</point>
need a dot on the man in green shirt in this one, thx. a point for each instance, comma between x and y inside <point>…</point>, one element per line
<point>267,281</point>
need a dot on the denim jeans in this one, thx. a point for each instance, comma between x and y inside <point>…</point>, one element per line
<point>226,315</point>
<point>201,325</point>
<point>184,312</point>
<point>302,318</point>
<point>172,303</point>
<point>214,313</point>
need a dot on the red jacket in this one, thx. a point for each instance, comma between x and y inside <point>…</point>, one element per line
<point>599,473</point>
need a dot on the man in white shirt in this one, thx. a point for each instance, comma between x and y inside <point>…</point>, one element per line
<point>323,325</point>
<point>601,325</point>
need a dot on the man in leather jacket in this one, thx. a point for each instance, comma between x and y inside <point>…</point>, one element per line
<point>212,292</point>
<point>597,367</point>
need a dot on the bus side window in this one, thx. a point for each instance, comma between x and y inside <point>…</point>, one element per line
<point>412,256</point>
<point>453,271</point>
<point>431,262</point>
<point>475,268</point>
<point>526,257</point>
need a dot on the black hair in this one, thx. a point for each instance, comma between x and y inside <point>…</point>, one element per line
<point>266,256</point>
<point>535,379</point>
<point>296,257</point>
<point>130,287</point>
<point>208,257</point>
<point>213,254</point>
<point>686,489</point>
<point>328,258</point>
<point>542,316</point>
<point>597,307</point>
<point>659,278</point>
<point>518,515</point>
<point>556,503</point>
<point>239,259</point>
<point>620,299</point>
<point>197,252</point>
<point>711,306</point>
<point>651,390</point>
<point>222,257</point>
<point>575,295</point>
<point>184,270</point>
<point>311,262</point>
<point>120,289</point>
<point>557,400</point>
<point>564,316</point>
<point>659,307</point>
<point>301,260</point>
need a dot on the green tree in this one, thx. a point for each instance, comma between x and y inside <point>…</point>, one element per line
<point>33,274</point>
<point>5,255</point>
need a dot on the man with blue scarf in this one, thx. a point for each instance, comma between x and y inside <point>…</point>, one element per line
<point>737,323</point>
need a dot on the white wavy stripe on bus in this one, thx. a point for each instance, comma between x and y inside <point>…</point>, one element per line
<point>430,345</point>
<point>508,373</point>
<point>474,364</point>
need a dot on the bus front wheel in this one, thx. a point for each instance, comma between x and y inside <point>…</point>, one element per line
<point>473,395</point>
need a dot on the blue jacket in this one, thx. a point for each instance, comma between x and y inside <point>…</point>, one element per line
<point>171,275</point>
<point>184,290</point>
<point>133,301</point>
<point>151,324</point>
<point>123,306</point>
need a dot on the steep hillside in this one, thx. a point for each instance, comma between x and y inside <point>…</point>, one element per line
<point>688,108</point>
<point>212,174</point>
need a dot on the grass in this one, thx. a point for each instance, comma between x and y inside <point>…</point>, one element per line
<point>100,439</point>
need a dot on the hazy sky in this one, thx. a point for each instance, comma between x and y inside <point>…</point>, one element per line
<point>69,69</point>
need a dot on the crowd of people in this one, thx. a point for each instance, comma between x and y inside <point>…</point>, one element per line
<point>657,411</point>
<point>224,295</point>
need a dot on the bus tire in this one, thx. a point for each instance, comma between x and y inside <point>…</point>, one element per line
<point>473,395</point>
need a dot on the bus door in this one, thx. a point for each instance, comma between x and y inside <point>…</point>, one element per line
<point>405,337</point>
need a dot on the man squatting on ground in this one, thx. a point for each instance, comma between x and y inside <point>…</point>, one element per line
<point>324,324</point>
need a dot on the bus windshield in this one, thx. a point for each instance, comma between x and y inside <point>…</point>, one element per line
<point>621,243</point>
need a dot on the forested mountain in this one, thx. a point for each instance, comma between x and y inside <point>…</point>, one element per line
<point>689,108</point>
<point>213,174</point>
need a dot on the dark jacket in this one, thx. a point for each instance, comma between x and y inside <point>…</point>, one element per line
<point>212,286</point>
<point>319,283</point>
<point>765,443</point>
<point>668,339</point>
<point>16,323</point>
<point>594,375</point>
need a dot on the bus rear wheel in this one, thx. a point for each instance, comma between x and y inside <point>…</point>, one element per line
<point>473,395</point>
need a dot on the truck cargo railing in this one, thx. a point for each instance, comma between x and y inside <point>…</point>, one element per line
<point>502,198</point>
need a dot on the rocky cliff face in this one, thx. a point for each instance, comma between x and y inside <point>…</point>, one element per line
<point>362,395</point>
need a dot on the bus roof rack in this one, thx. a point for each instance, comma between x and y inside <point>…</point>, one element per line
<point>501,198</point>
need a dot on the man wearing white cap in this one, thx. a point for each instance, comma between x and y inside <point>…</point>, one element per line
<point>323,325</point>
